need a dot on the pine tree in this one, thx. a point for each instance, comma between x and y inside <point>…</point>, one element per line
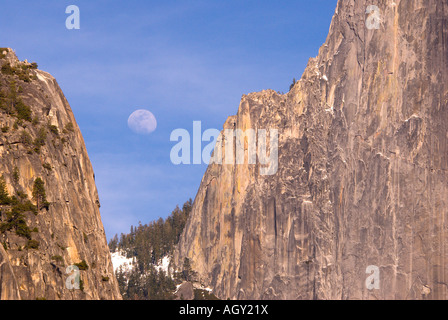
<point>113,244</point>
<point>121,279</point>
<point>187,271</point>
<point>4,195</point>
<point>149,243</point>
<point>16,174</point>
<point>39,194</point>
<point>293,84</point>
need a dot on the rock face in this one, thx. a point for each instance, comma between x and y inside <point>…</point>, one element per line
<point>362,175</point>
<point>185,291</point>
<point>40,139</point>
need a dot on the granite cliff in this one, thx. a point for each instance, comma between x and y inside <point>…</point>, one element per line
<point>49,206</point>
<point>362,171</point>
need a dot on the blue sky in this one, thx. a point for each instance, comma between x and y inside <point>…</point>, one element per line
<point>182,60</point>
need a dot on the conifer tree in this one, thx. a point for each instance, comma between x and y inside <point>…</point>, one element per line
<point>187,270</point>
<point>4,196</point>
<point>39,194</point>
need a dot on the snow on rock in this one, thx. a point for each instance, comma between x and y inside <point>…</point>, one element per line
<point>205,288</point>
<point>119,259</point>
<point>163,264</point>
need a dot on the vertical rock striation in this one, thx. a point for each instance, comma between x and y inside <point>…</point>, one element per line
<point>45,142</point>
<point>362,177</point>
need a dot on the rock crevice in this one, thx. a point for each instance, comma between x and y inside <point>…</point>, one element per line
<point>361,179</point>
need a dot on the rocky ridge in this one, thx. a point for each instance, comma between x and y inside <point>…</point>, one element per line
<point>39,138</point>
<point>362,176</point>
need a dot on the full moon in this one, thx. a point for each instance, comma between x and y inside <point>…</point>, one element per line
<point>142,122</point>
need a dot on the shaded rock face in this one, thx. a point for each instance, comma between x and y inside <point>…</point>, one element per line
<point>70,230</point>
<point>185,291</point>
<point>8,283</point>
<point>362,177</point>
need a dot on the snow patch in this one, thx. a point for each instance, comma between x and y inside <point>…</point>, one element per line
<point>119,260</point>
<point>195,286</point>
<point>163,264</point>
<point>204,288</point>
<point>414,116</point>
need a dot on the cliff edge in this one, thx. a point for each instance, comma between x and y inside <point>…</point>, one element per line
<point>49,206</point>
<point>361,187</point>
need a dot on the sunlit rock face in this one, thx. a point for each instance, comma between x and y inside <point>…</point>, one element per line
<point>362,176</point>
<point>69,231</point>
